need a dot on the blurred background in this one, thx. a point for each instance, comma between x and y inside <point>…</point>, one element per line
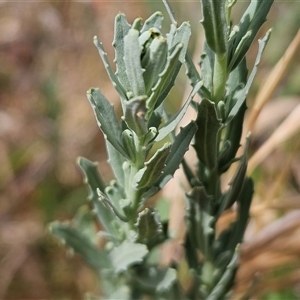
<point>47,63</point>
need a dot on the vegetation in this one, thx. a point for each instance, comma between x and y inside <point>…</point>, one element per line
<point>48,61</point>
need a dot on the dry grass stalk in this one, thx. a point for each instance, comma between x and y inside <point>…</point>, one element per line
<point>272,81</point>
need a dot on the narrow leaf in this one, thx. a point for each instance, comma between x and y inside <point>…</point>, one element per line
<point>236,184</point>
<point>182,35</point>
<point>191,70</point>
<point>241,95</point>
<point>165,82</point>
<point>94,179</point>
<point>153,167</point>
<point>154,21</point>
<point>116,161</point>
<point>81,244</point>
<point>84,221</point>
<point>207,134</point>
<point>207,67</point>
<point>156,58</point>
<point>114,79</point>
<point>106,119</point>
<point>227,279</point>
<point>132,54</point>
<point>244,202</point>
<point>175,119</point>
<point>201,219</point>
<point>251,21</point>
<point>134,112</point>
<point>178,149</point>
<point>215,25</point>
<point>115,193</point>
<point>93,182</point>
<point>121,30</point>
<point>159,279</point>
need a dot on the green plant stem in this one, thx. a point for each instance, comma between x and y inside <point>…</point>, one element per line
<point>220,77</point>
<point>207,273</point>
<point>213,183</point>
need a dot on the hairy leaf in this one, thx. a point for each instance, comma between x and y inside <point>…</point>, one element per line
<point>154,62</point>
<point>206,136</point>
<point>178,149</point>
<point>165,82</point>
<point>207,67</point>
<point>244,201</point>
<point>121,30</point>
<point>201,219</point>
<point>175,119</point>
<point>227,279</point>
<point>116,161</point>
<point>126,255</point>
<point>113,77</point>
<point>115,193</point>
<point>149,228</point>
<point>84,221</point>
<point>153,167</point>
<point>160,279</point>
<point>81,244</point>
<point>251,21</point>
<point>236,183</point>
<point>92,177</point>
<point>93,182</point>
<point>191,70</point>
<point>182,35</point>
<point>241,95</point>
<point>154,21</point>
<point>215,25</point>
<point>132,54</point>
<point>106,119</point>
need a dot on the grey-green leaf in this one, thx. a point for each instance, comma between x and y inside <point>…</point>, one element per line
<point>132,55</point>
<point>160,279</point>
<point>92,177</point>
<point>244,201</point>
<point>149,228</point>
<point>81,244</point>
<point>93,181</point>
<point>175,119</point>
<point>84,221</point>
<point>241,94</point>
<point>182,35</point>
<point>227,278</point>
<point>165,82</point>
<point>134,111</point>
<point>191,70</point>
<point>153,167</point>
<point>154,21</point>
<point>179,148</point>
<point>106,119</point>
<point>113,77</point>
<point>215,25</point>
<point>121,30</point>
<point>201,219</point>
<point>126,255</point>
<point>236,183</point>
<point>115,193</point>
<point>154,61</point>
<point>207,66</point>
<point>251,21</point>
<point>206,136</point>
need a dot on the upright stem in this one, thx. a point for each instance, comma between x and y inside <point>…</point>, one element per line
<point>220,77</point>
